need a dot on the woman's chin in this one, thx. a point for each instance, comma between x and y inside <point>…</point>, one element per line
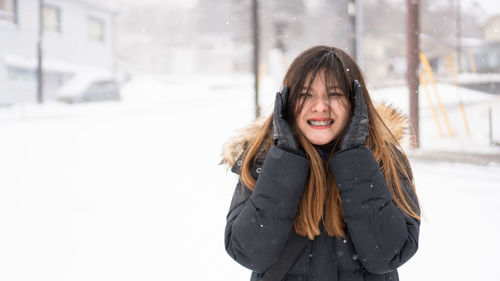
<point>320,140</point>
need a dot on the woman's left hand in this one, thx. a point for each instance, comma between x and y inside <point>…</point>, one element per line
<point>356,131</point>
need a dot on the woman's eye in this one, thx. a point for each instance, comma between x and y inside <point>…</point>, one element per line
<point>305,95</point>
<point>334,94</point>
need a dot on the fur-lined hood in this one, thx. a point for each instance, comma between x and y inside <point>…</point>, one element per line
<point>395,120</point>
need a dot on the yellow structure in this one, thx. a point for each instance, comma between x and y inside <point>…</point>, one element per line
<point>423,81</point>
<point>451,67</point>
<point>430,76</point>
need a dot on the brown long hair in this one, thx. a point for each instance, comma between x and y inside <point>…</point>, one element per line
<point>320,200</point>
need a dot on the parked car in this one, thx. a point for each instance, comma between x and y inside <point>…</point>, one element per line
<point>87,88</point>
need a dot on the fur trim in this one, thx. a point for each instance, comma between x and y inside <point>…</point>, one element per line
<point>235,146</point>
<point>394,119</point>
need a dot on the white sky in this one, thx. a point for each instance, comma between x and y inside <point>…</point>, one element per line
<point>175,3</point>
<point>490,6</point>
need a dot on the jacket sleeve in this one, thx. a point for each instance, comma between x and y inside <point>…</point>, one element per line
<point>383,236</point>
<point>259,223</point>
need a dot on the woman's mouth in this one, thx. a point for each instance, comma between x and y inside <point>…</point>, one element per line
<point>320,123</point>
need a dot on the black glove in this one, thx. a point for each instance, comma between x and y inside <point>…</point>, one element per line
<point>282,133</point>
<point>356,131</point>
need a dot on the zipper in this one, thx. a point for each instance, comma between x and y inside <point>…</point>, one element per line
<point>310,260</point>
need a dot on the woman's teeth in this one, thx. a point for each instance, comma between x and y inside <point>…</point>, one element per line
<point>320,123</point>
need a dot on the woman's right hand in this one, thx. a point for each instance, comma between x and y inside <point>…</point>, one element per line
<point>282,133</point>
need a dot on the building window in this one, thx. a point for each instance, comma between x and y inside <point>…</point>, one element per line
<point>96,29</point>
<point>51,18</point>
<point>8,10</point>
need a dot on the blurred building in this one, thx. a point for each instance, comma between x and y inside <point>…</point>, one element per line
<point>491,29</point>
<point>478,54</point>
<point>78,37</point>
<point>488,58</point>
<point>216,37</point>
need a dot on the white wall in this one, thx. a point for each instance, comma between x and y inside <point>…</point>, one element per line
<point>72,44</point>
<point>69,50</point>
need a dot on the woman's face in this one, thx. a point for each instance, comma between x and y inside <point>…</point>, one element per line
<point>325,112</point>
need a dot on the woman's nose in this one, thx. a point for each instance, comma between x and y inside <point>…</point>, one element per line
<point>320,105</point>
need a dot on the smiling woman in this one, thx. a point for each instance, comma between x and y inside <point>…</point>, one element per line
<point>325,191</point>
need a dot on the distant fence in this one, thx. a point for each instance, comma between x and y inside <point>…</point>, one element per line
<point>489,83</point>
<point>488,87</point>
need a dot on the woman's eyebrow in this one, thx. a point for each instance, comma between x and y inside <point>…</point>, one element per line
<point>329,88</point>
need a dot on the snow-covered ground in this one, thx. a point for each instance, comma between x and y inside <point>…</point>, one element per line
<point>132,190</point>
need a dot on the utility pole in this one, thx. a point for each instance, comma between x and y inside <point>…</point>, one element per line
<point>39,71</point>
<point>256,44</point>
<point>113,44</point>
<point>459,35</point>
<point>351,11</point>
<point>412,56</point>
<point>359,33</point>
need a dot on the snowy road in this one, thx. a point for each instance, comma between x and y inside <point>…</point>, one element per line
<point>133,192</point>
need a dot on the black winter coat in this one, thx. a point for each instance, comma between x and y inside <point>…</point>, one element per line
<point>379,237</point>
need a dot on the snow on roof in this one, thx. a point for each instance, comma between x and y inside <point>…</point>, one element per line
<point>49,65</point>
<point>98,5</point>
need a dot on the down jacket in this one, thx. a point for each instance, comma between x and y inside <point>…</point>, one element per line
<point>379,236</point>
